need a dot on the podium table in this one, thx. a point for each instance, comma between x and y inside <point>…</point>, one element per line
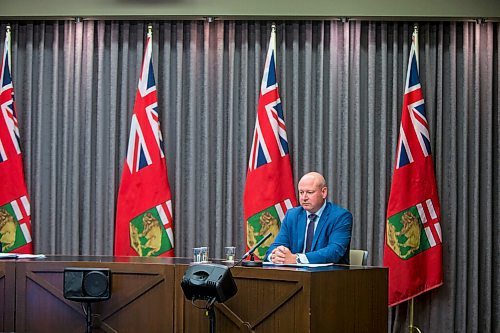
<point>288,299</point>
<point>146,296</point>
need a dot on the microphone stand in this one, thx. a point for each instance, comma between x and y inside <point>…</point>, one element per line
<point>252,262</point>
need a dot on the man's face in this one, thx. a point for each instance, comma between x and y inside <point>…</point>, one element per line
<point>311,194</point>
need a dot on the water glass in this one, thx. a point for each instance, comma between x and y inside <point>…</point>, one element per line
<point>230,251</point>
<point>204,253</point>
<point>197,254</point>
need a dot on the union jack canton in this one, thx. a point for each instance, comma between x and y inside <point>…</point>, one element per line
<point>269,138</point>
<point>414,130</point>
<point>138,152</point>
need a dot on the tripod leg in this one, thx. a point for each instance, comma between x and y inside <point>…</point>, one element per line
<point>211,317</point>
<point>89,317</point>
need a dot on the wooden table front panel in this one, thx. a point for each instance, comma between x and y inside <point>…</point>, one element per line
<point>352,300</point>
<point>267,301</point>
<point>7,295</point>
<point>147,297</point>
<point>281,299</point>
<point>142,299</point>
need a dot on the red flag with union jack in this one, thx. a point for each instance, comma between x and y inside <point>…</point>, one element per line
<point>269,188</point>
<point>144,224</point>
<point>412,248</point>
<point>15,224</point>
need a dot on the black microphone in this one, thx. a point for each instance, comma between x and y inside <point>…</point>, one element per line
<point>253,263</point>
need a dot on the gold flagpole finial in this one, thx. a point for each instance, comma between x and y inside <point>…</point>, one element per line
<point>8,45</point>
<point>414,38</point>
<point>273,27</point>
<point>150,29</point>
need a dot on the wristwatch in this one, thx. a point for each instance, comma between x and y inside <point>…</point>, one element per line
<point>297,259</point>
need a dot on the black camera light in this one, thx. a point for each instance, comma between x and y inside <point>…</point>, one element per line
<point>87,284</point>
<point>208,281</point>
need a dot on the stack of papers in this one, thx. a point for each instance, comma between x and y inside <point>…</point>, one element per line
<point>268,263</point>
<point>21,256</point>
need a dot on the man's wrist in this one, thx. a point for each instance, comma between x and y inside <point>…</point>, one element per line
<point>297,259</point>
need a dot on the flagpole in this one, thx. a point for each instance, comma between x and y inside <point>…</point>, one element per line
<point>414,38</point>
<point>150,30</point>
<point>411,327</point>
<point>9,48</point>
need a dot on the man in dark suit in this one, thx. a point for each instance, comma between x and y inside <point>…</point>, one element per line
<point>317,231</point>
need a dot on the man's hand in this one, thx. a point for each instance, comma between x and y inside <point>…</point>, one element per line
<point>282,255</point>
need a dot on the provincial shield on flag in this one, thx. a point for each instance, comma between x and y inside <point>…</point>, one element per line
<point>144,222</point>
<point>269,189</point>
<point>412,248</point>
<point>410,233</point>
<point>15,225</point>
<point>264,222</point>
<point>148,236</point>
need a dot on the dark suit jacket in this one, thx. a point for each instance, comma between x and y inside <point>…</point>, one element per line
<point>331,240</point>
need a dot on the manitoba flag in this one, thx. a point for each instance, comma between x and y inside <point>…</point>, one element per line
<point>144,224</point>
<point>15,225</point>
<point>412,248</point>
<point>269,188</point>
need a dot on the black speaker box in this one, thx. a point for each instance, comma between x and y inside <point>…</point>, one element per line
<point>206,281</point>
<point>87,284</point>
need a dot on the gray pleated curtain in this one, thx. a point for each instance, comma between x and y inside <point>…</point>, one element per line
<point>341,85</point>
